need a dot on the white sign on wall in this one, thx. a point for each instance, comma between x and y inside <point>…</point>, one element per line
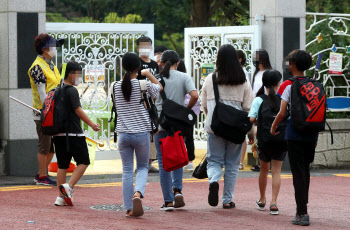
<point>335,63</point>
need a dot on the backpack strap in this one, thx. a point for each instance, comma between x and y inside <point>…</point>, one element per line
<point>216,89</point>
<point>114,109</point>
<point>68,108</point>
<point>144,96</point>
<point>145,100</point>
<point>331,131</point>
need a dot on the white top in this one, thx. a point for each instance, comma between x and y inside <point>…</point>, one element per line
<point>258,82</point>
<point>246,73</point>
<point>132,115</point>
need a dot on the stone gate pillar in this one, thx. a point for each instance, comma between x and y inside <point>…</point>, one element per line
<point>282,25</point>
<point>21,21</point>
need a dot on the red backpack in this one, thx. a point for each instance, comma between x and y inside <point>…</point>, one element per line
<point>55,112</point>
<point>308,105</point>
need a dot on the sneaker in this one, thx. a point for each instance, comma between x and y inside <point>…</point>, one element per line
<point>188,167</point>
<point>260,206</point>
<point>303,220</point>
<point>213,197</point>
<point>60,201</point>
<point>152,169</point>
<point>36,178</point>
<point>45,181</point>
<point>241,166</point>
<point>179,199</point>
<point>67,192</point>
<point>166,207</point>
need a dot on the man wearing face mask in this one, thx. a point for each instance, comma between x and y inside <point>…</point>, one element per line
<point>144,48</point>
<point>44,76</point>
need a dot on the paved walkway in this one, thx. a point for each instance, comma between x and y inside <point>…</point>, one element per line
<point>31,207</point>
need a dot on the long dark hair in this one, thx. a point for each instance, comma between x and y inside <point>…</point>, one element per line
<point>228,67</point>
<point>130,63</point>
<point>270,79</point>
<point>169,58</point>
<point>182,67</point>
<point>262,57</point>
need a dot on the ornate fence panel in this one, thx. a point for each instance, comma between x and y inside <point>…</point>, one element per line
<point>201,47</point>
<point>99,49</point>
<point>326,33</point>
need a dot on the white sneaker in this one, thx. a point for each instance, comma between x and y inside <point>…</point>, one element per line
<point>60,201</point>
<point>189,167</point>
<point>67,191</point>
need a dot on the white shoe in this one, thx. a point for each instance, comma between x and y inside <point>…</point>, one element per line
<point>67,192</point>
<point>60,201</point>
<point>189,167</point>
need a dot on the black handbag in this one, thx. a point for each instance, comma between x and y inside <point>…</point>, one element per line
<point>228,122</point>
<point>175,117</point>
<point>200,172</point>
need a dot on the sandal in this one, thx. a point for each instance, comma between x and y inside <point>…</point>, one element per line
<point>274,209</point>
<point>230,205</point>
<point>241,166</point>
<point>137,209</point>
<point>127,214</point>
<point>260,206</point>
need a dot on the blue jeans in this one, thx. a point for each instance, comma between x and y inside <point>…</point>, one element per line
<point>168,180</point>
<point>223,153</point>
<point>127,143</point>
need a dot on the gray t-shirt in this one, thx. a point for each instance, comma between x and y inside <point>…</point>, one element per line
<point>176,87</point>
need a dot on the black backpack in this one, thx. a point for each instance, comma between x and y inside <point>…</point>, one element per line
<point>308,105</point>
<point>266,117</point>
<point>175,117</point>
<point>55,112</point>
<point>228,122</point>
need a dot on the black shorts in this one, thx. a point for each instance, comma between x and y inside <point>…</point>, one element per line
<point>267,155</point>
<point>77,149</point>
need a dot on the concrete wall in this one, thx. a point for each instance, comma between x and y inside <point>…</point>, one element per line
<point>275,11</point>
<point>338,154</point>
<point>17,130</point>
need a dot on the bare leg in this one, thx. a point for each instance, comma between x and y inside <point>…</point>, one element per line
<point>276,179</point>
<point>42,160</point>
<point>77,174</point>
<point>264,170</point>
<point>61,179</point>
<point>244,150</point>
<point>49,159</point>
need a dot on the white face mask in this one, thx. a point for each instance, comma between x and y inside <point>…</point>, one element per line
<point>78,81</point>
<point>52,52</point>
<point>144,52</point>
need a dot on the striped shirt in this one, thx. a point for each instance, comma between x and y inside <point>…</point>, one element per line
<point>132,115</point>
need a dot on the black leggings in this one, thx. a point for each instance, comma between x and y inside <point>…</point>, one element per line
<point>301,154</point>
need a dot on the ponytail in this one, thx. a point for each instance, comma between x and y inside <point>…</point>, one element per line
<point>261,91</point>
<point>166,69</point>
<point>272,98</point>
<point>126,86</point>
<point>169,57</point>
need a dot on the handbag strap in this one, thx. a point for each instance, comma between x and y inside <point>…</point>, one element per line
<point>162,93</point>
<point>216,89</point>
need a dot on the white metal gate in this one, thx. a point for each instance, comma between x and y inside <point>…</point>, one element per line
<point>202,45</point>
<point>99,49</point>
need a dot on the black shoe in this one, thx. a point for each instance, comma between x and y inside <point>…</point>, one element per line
<point>213,197</point>
<point>303,220</point>
<point>231,205</point>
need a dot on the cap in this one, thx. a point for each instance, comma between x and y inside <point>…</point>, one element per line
<point>53,42</point>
